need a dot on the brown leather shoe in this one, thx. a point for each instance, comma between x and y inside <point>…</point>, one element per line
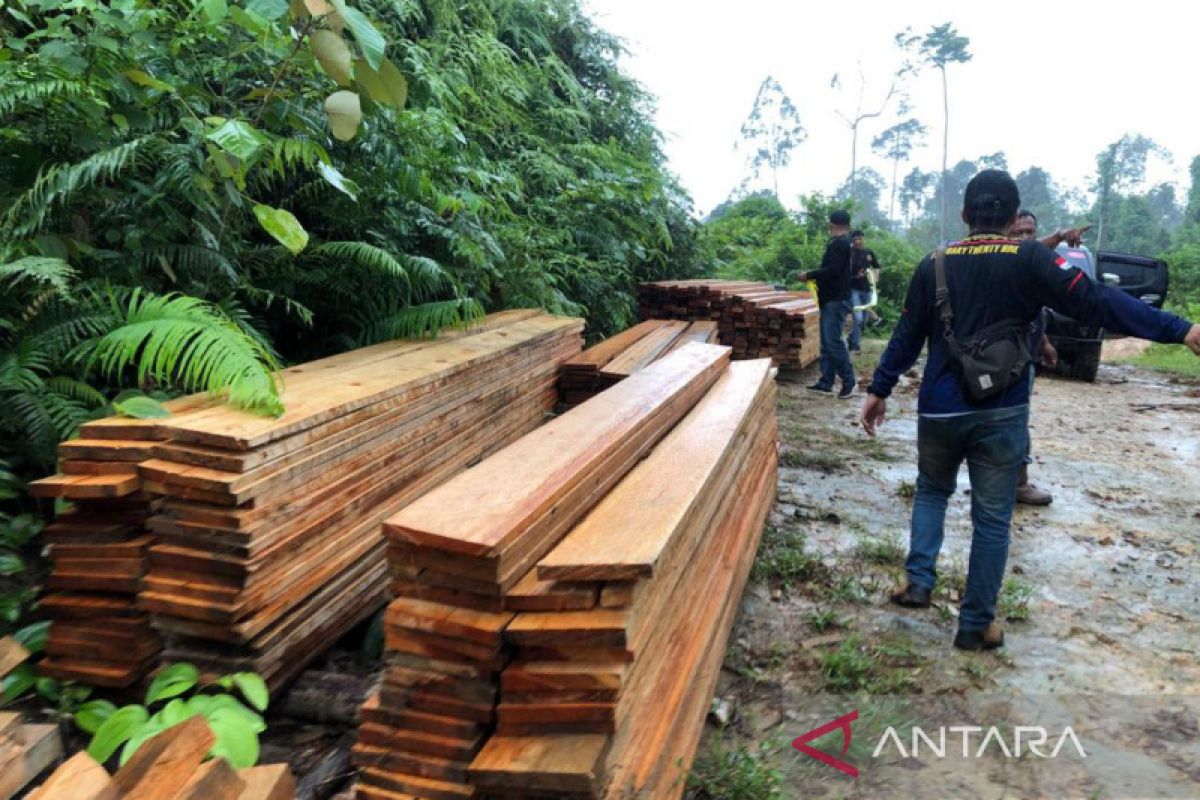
<point>1030,495</point>
<point>989,638</point>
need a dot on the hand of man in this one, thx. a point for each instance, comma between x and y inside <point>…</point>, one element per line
<point>873,412</point>
<point>1074,236</point>
<point>1049,354</point>
<point>1192,340</point>
<point>802,277</point>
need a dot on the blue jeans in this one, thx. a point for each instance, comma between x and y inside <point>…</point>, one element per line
<point>858,298</point>
<point>993,443</point>
<point>835,357</point>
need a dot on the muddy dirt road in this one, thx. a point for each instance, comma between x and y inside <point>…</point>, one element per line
<point>1102,602</point>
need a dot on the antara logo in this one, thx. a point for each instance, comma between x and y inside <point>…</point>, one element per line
<point>1034,738</point>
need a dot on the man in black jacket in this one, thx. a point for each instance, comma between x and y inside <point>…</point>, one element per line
<point>833,296</point>
<point>990,277</point>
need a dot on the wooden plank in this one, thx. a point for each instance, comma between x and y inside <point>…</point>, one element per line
<point>163,765</point>
<point>12,654</point>
<point>78,778</point>
<point>597,356</point>
<point>569,763</point>
<point>360,387</point>
<point>533,594</point>
<point>213,780</point>
<point>482,511</point>
<point>624,536</point>
<point>83,487</point>
<point>645,350</point>
<point>40,746</point>
<point>267,782</point>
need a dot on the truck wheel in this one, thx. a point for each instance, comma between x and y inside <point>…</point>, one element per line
<point>1087,364</point>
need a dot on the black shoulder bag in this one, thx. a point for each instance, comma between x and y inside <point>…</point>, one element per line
<point>989,361</point>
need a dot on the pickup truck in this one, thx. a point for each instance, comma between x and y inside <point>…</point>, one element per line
<point>1079,345</point>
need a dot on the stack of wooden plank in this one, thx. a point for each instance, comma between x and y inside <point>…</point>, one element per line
<point>616,358</point>
<point>268,540</point>
<point>98,552</point>
<point>462,552</point>
<point>264,540</point>
<point>755,319</point>
<point>26,750</point>
<point>610,700</point>
<point>170,765</point>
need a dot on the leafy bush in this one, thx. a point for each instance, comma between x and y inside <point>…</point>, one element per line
<point>180,695</point>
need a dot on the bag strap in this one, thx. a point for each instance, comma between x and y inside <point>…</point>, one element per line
<point>942,295</point>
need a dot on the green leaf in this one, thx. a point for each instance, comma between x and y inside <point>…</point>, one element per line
<point>21,529</point>
<point>336,179</point>
<point>369,82</point>
<point>16,683</point>
<point>120,726</point>
<point>92,714</point>
<point>142,78</point>
<point>172,682</point>
<point>334,55</point>
<point>369,39</point>
<point>49,689</point>
<point>345,112</point>
<point>239,139</point>
<point>141,408</point>
<point>268,9</point>
<point>11,564</point>
<point>237,742</point>
<point>232,705</point>
<point>215,10</point>
<point>397,85</point>
<point>153,727</point>
<point>283,227</point>
<point>177,711</point>
<point>33,637</point>
<point>249,21</point>
<point>253,688</point>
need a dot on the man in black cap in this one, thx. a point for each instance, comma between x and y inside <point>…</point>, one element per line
<point>833,297</point>
<point>1000,284</point>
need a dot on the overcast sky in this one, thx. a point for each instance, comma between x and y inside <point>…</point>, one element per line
<point>1051,83</point>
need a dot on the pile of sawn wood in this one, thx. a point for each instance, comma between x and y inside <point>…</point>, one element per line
<point>615,359</point>
<point>755,319</point>
<point>247,543</point>
<point>563,607</point>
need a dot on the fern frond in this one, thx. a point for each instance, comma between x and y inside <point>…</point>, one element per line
<point>191,261</point>
<point>52,272</point>
<point>40,91</point>
<point>266,298</point>
<point>383,321</point>
<point>76,391</point>
<point>288,154</point>
<point>58,182</point>
<point>423,276</point>
<point>187,342</point>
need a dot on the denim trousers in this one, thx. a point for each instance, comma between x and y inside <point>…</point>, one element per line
<point>835,356</point>
<point>858,298</point>
<point>993,443</point>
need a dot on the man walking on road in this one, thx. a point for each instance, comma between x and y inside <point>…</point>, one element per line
<point>833,297</point>
<point>987,281</point>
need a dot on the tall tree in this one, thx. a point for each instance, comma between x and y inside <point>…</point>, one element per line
<point>1039,195</point>
<point>861,114</point>
<point>1191,214</point>
<point>1120,169</point>
<point>864,194</point>
<point>772,131</point>
<point>939,48</point>
<point>896,144</point>
<point>914,192</point>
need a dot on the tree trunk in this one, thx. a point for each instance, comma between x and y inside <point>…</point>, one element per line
<point>854,161</point>
<point>945,154</point>
<point>892,203</point>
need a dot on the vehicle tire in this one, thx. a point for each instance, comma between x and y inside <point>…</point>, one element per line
<point>1086,364</point>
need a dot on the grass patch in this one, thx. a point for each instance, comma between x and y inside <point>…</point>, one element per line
<point>722,773</point>
<point>1013,604</point>
<point>823,620</point>
<point>907,490</point>
<point>783,560</point>
<point>878,668</point>
<point>1168,358</point>
<point>814,458</point>
<point>882,551</point>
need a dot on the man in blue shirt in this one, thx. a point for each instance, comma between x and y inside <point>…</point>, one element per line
<point>990,277</point>
<point>833,298</point>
